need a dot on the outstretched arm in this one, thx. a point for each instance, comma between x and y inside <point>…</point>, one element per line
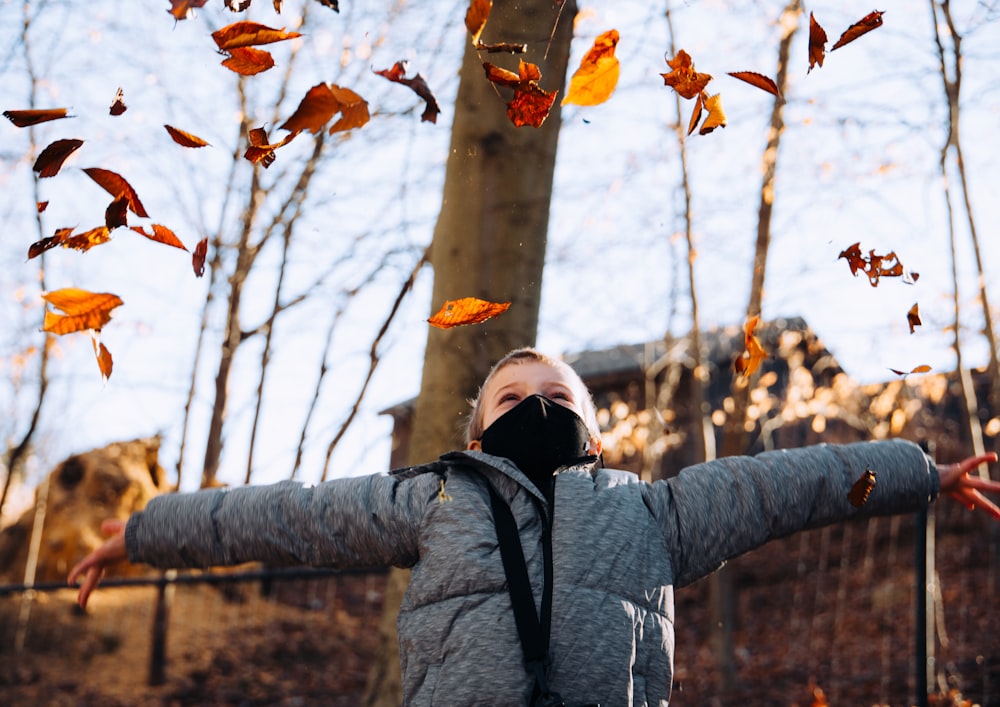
<point>93,565</point>
<point>968,490</point>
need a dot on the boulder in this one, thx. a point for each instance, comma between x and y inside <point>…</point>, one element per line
<point>82,491</point>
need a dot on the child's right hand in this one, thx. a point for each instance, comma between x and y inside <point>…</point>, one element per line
<point>93,565</point>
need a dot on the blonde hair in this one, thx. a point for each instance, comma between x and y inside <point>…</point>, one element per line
<point>474,429</point>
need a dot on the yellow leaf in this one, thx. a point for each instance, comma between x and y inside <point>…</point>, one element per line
<point>596,79</point>
<point>81,310</point>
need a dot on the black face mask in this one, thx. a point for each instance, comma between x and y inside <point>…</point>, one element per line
<point>539,436</point>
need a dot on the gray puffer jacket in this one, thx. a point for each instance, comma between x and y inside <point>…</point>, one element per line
<point>620,548</point>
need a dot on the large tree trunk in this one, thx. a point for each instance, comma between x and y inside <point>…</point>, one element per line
<point>489,243</point>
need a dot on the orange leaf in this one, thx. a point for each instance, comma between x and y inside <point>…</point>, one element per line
<point>817,43</point>
<point>913,317</point>
<point>696,114</point>
<point>161,234</point>
<point>418,85</point>
<point>476,16</point>
<point>683,78</point>
<point>866,24</point>
<point>747,363</point>
<point>183,9</point>
<point>81,310</point>
<point>247,34</point>
<point>198,257</point>
<point>758,80</point>
<point>88,239</point>
<point>531,103</point>
<point>596,79</point>
<point>353,109</point>
<point>716,116</point>
<point>41,206</point>
<point>314,111</point>
<point>862,488</point>
<point>185,139</point>
<point>118,105</point>
<point>57,238</point>
<point>468,310</point>
<point>24,118</point>
<point>876,266</point>
<point>104,360</point>
<point>117,213</point>
<point>115,185</point>
<point>248,61</point>
<point>50,160</point>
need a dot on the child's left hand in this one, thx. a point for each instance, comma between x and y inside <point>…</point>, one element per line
<point>967,490</point>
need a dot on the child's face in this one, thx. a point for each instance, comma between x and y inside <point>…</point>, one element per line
<point>517,381</point>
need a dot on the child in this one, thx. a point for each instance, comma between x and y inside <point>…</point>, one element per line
<point>603,550</point>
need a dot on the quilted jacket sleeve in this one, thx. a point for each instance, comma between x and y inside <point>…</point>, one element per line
<point>714,511</point>
<point>357,522</point>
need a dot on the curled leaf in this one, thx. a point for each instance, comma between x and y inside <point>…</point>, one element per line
<point>160,234</point>
<point>116,214</point>
<point>262,151</point>
<point>468,310</point>
<point>531,103</point>
<point>184,139</point>
<point>247,34</point>
<point>50,160</point>
<point>476,16</point>
<point>49,242</point>
<point>862,488</point>
<point>198,257</point>
<point>873,20</point>
<point>596,79</point>
<point>758,80</point>
<point>115,185</point>
<point>183,9</point>
<point>88,239</point>
<point>104,361</point>
<point>747,363</point>
<point>918,369</point>
<point>118,105</point>
<point>817,43</point>
<point>913,317</point>
<point>716,117</point>
<point>418,85</point>
<point>24,118</point>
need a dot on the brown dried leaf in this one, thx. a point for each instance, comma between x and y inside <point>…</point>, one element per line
<point>88,239</point>
<point>50,160</point>
<point>873,20</point>
<point>757,80</point>
<point>24,118</point>
<point>716,116</point>
<point>314,111</point>
<point>862,488</point>
<point>476,16</point>
<point>198,257</point>
<point>817,43</point>
<point>184,139</point>
<point>116,214</point>
<point>57,238</point>
<point>161,234</point>
<point>353,109</point>
<point>115,184</point>
<point>104,361</point>
<point>183,9</point>
<point>247,34</point>
<point>913,317</point>
<point>683,78</point>
<point>418,85</point>
<point>118,105</point>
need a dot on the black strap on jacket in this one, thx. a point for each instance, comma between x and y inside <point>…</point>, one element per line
<point>534,633</point>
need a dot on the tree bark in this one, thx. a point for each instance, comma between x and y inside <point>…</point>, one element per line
<point>489,242</point>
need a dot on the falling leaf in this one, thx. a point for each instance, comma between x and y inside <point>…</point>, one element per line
<point>596,79</point>
<point>24,118</point>
<point>918,369</point>
<point>88,239</point>
<point>49,242</point>
<point>314,111</point>
<point>332,4</point>
<point>502,47</point>
<point>185,139</point>
<point>104,360</point>
<point>118,105</point>
<point>80,309</point>
<point>747,363</point>
<point>277,6</point>
<point>115,185</point>
<point>716,116</point>
<point>476,16</point>
<point>198,257</point>
<point>183,9</point>
<point>866,24</point>
<point>468,310</point>
<point>248,34</point>
<point>876,266</point>
<point>758,80</point>
<point>817,43</point>
<point>116,214</point>
<point>41,206</point>
<point>531,103</point>
<point>862,488</point>
<point>418,85</point>
<point>51,159</point>
<point>237,5</point>
<point>248,61</point>
<point>353,109</point>
<point>699,107</point>
<point>160,234</point>
<point>260,150</point>
<point>913,317</point>
<point>683,78</point>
